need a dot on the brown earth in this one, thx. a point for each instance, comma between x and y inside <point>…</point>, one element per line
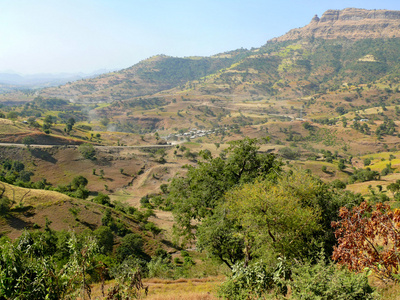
<point>39,138</point>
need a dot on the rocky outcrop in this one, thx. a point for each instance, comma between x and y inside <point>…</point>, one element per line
<point>350,23</point>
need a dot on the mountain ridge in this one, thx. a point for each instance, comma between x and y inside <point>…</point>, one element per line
<point>350,23</point>
<point>155,74</point>
<point>336,42</point>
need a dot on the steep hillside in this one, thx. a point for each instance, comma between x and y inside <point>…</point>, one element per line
<point>299,68</point>
<point>287,79</point>
<point>31,207</point>
<point>147,77</point>
<point>351,54</point>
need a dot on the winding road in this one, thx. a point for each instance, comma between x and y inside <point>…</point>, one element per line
<point>75,146</point>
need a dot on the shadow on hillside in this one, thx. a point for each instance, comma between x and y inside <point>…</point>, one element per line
<point>43,155</point>
<point>89,225</point>
<point>28,210</point>
<point>328,172</point>
<point>170,244</point>
<point>347,172</point>
<point>18,224</point>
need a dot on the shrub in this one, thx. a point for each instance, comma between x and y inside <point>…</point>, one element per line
<point>123,207</point>
<point>341,110</point>
<point>79,182</point>
<point>367,238</point>
<point>84,127</point>
<point>5,205</point>
<point>87,151</point>
<point>131,245</point>
<point>289,153</point>
<point>150,226</point>
<point>307,280</point>
<point>12,115</point>
<point>28,140</point>
<point>386,171</point>
<point>145,202</point>
<point>247,282</point>
<point>160,267</point>
<point>102,199</point>
<point>81,193</point>
<point>362,175</point>
<point>337,183</point>
<point>164,188</point>
<point>157,201</point>
<point>367,161</point>
<point>105,239</point>
<point>341,165</point>
<point>327,281</point>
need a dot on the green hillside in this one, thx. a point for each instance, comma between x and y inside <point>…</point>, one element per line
<point>147,77</point>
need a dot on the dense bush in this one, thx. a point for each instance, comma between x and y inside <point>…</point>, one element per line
<point>102,199</point>
<point>131,246</point>
<point>249,282</point>
<point>337,183</point>
<point>308,281</point>
<point>289,153</point>
<point>362,175</point>
<point>367,161</point>
<point>5,205</point>
<point>87,151</point>
<point>328,281</point>
<point>160,267</point>
<point>28,267</point>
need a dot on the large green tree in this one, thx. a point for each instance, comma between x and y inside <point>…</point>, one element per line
<point>195,195</point>
<point>289,216</point>
<point>219,237</point>
<point>280,217</point>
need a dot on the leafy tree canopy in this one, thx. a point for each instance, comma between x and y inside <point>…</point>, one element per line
<point>282,216</point>
<point>196,195</point>
<point>79,181</point>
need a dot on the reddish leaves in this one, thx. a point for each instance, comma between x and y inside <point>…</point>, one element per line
<point>369,238</point>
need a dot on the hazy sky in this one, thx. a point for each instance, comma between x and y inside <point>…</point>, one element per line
<point>39,36</point>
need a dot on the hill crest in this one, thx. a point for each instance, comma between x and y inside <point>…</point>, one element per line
<point>349,23</point>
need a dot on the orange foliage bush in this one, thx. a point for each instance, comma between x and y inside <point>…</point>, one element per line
<point>369,238</point>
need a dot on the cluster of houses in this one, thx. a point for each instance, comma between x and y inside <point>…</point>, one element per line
<point>192,134</point>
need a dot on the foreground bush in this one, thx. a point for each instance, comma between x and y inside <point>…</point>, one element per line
<point>307,281</point>
<point>328,281</point>
<point>247,282</point>
<point>368,237</point>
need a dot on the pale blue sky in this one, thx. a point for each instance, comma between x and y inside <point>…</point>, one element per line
<point>38,36</point>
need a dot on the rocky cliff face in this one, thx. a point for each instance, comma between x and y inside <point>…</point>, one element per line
<point>350,23</point>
